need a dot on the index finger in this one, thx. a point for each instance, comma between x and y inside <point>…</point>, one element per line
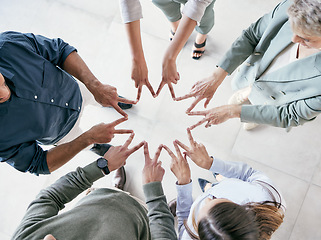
<point>196,101</point>
<point>161,85</point>
<point>146,153</point>
<point>135,148</point>
<point>118,109</point>
<point>171,154</point>
<point>150,88</point>
<point>123,131</point>
<point>139,93</point>
<point>124,100</point>
<point>203,113</point>
<point>184,97</point>
<point>159,149</point>
<point>178,151</point>
<point>190,137</point>
<point>197,124</point>
<point>129,140</point>
<point>182,145</point>
<point>118,121</point>
<point>171,89</point>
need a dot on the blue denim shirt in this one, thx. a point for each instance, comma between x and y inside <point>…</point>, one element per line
<point>45,101</point>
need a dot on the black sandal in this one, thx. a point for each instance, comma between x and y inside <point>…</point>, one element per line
<point>173,34</point>
<point>197,51</point>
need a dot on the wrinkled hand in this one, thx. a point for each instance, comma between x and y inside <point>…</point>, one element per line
<point>197,152</point>
<point>107,96</point>
<point>205,88</point>
<point>217,115</point>
<point>169,76</point>
<point>152,171</point>
<point>179,166</point>
<point>118,155</point>
<point>140,76</point>
<point>103,133</point>
<point>201,89</point>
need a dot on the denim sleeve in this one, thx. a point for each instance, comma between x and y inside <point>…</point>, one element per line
<point>54,50</point>
<point>27,157</point>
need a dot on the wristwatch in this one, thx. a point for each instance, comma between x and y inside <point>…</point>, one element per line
<point>102,163</point>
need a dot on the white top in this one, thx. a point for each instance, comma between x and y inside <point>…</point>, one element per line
<point>131,10</point>
<point>288,55</point>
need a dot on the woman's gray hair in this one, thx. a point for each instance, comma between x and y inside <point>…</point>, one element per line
<point>305,16</point>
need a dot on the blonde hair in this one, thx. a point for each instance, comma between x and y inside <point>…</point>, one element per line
<point>305,16</point>
<point>268,217</point>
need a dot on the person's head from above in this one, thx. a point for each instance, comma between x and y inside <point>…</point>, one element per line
<point>305,20</point>
<point>5,92</point>
<point>223,219</point>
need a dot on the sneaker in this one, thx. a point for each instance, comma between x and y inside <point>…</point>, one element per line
<point>240,96</point>
<point>249,126</point>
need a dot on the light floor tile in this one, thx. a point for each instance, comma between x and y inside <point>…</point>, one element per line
<point>283,150</point>
<point>308,222</point>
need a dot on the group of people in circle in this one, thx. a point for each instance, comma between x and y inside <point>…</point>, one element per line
<point>277,61</point>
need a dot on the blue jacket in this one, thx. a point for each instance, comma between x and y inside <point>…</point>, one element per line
<point>45,100</point>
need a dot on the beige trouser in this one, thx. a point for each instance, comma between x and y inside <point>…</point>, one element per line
<point>87,99</point>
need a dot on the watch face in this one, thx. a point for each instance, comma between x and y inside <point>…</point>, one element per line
<point>102,163</point>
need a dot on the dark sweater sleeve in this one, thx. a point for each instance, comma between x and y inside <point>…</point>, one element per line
<point>52,199</point>
<point>161,220</point>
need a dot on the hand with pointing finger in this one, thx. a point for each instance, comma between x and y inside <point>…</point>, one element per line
<point>103,133</point>
<point>107,96</point>
<point>179,166</point>
<point>152,171</point>
<point>169,76</point>
<point>205,89</point>
<point>118,155</point>
<point>140,76</point>
<point>197,152</point>
<point>217,115</point>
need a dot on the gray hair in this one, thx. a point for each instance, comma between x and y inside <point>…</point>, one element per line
<point>305,15</point>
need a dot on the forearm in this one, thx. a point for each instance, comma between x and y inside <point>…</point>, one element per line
<point>244,45</point>
<point>58,156</point>
<point>75,66</point>
<point>161,220</point>
<point>217,77</point>
<point>52,199</point>
<point>238,170</point>
<point>135,41</point>
<point>184,30</point>
<point>293,114</point>
<point>184,203</point>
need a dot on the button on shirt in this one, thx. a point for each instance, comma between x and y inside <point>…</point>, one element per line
<point>45,100</point>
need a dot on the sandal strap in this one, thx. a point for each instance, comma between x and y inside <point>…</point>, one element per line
<point>200,45</point>
<point>196,51</point>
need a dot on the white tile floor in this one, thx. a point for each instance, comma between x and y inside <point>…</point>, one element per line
<point>291,159</point>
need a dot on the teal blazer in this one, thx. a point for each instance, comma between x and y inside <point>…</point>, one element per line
<point>288,96</point>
